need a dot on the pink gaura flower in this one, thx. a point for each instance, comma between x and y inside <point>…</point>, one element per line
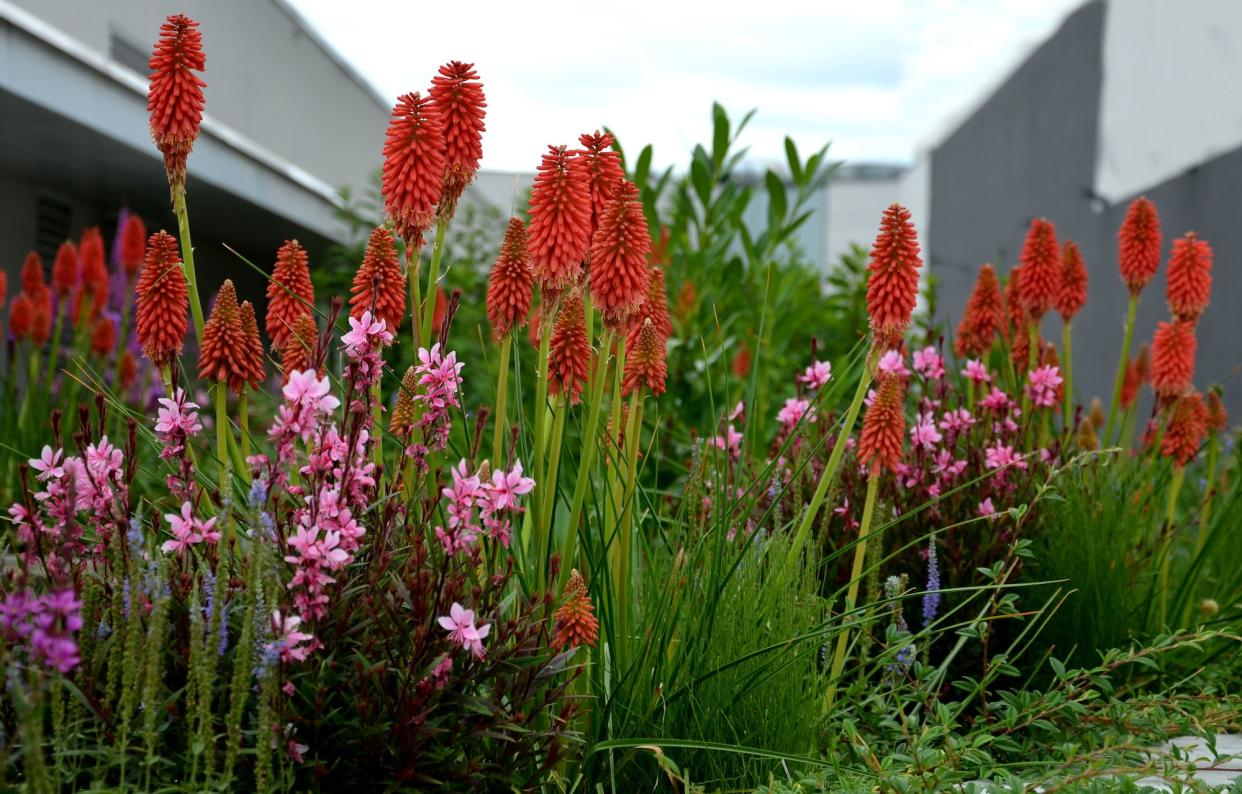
<point>893,363</point>
<point>366,333</point>
<point>288,640</point>
<point>924,433</point>
<point>928,363</point>
<point>506,487</point>
<point>188,531</point>
<point>309,390</point>
<point>996,400</point>
<point>956,421</point>
<point>793,412</point>
<point>1001,456</point>
<point>737,411</point>
<point>48,464</point>
<point>731,440</point>
<point>986,509</point>
<point>976,371</point>
<point>459,623</point>
<point>816,375</point>
<point>1042,386</point>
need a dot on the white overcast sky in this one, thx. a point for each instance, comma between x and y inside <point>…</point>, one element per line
<point>875,77</point>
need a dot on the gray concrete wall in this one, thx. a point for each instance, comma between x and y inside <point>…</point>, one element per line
<point>266,77</point>
<point>1031,150</point>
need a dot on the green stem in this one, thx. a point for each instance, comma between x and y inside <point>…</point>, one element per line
<point>545,529</point>
<point>377,420</point>
<point>433,275</point>
<point>224,463</point>
<point>632,430</point>
<point>1166,546</point>
<point>851,596</point>
<point>834,462</point>
<point>32,369</point>
<point>502,396</point>
<point>187,259</point>
<point>546,322</point>
<point>413,264</point>
<point>243,421</point>
<point>1209,493</point>
<point>590,446</point>
<point>1119,383</point>
<point>1068,368</point>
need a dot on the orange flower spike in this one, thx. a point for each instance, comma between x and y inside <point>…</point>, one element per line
<point>379,284</point>
<point>644,362</point>
<point>298,347</point>
<point>1187,425</point>
<point>1138,245</point>
<point>32,276</point>
<point>510,286</point>
<point>103,337</point>
<point>1072,292</point>
<point>413,177</point>
<point>290,293</point>
<point>403,411</point>
<point>1131,385</point>
<point>1173,358</point>
<point>41,322</point>
<point>64,270</point>
<point>983,318</point>
<point>569,354</point>
<point>224,356</point>
<point>603,169</point>
<point>575,620</point>
<point>21,316</point>
<point>656,304</point>
<point>162,301</point>
<point>255,369</point>
<point>133,245</point>
<point>4,286</point>
<point>1016,315</point>
<point>94,278</point>
<point>893,283</point>
<point>1189,285</point>
<point>458,97</point>
<point>127,372</point>
<point>619,274</point>
<point>560,220</point>
<point>884,426</point>
<point>1041,269</point>
<point>175,95</point>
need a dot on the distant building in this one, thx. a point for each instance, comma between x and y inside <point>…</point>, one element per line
<point>1126,98</point>
<point>287,123</point>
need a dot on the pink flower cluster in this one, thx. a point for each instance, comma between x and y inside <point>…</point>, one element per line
<point>45,625</point>
<point>816,375</point>
<point>460,625</point>
<point>1042,385</point>
<point>364,339</point>
<point>495,500</point>
<point>188,531</point>
<point>439,377</point>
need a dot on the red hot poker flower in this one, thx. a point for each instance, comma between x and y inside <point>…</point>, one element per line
<point>1217,417</point>
<point>884,426</point>
<point>570,352</point>
<point>644,361</point>
<point>1138,244</point>
<point>21,316</point>
<point>32,275</point>
<point>1017,316</point>
<point>65,269</point>
<point>893,283</point>
<point>93,279</point>
<point>1135,377</point>
<point>1186,428</point>
<point>1072,292</point>
<point>509,289</point>
<point>290,293</point>
<point>175,95</point>
<point>576,624</point>
<point>379,284</point>
<point>619,274</point>
<point>1041,268</point>
<point>1190,277</point>
<point>603,169</point>
<point>41,322</point>
<point>458,96</point>
<point>127,370</point>
<point>225,353</point>
<point>133,244</point>
<point>103,337</point>
<point>655,306</point>
<point>162,301</point>
<point>413,164</point>
<point>254,346</point>
<point>560,220</point>
<point>4,286</point>
<point>298,348</point>
<point>1173,358</point>
<point>983,318</point>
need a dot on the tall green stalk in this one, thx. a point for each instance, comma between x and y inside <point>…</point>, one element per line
<point>1068,368</point>
<point>851,596</point>
<point>433,276</point>
<point>187,259</point>
<point>834,461</point>
<point>224,464</point>
<point>1119,383</point>
<point>544,530</point>
<point>590,446</point>
<point>502,397</point>
<point>625,555</point>
<point>1166,544</point>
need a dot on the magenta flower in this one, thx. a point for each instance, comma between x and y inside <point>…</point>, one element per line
<point>976,371</point>
<point>461,628</point>
<point>924,433</point>
<point>309,390</point>
<point>996,400</point>
<point>816,375</point>
<point>365,333</point>
<point>506,487</point>
<point>986,509</point>
<point>288,641</point>
<point>1001,456</point>
<point>48,464</point>
<point>186,530</point>
<point>1042,386</point>
<point>793,412</point>
<point>893,364</point>
<point>956,421</point>
<point>928,363</point>
<point>731,441</point>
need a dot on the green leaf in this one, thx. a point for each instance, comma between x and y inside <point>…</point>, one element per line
<point>791,156</point>
<point>720,136</point>
<point>778,203</point>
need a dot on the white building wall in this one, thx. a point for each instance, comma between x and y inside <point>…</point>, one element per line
<point>1169,97</point>
<point>854,208</point>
